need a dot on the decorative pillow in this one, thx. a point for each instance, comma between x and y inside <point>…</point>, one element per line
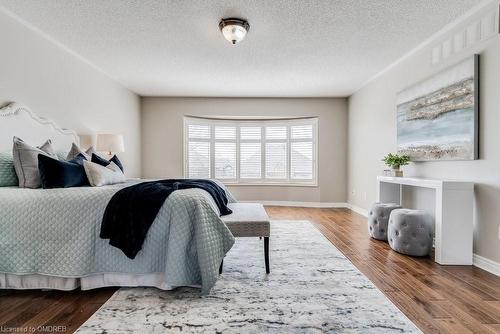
<point>8,177</point>
<point>75,150</point>
<point>62,174</point>
<point>62,155</point>
<point>103,162</point>
<point>99,175</point>
<point>26,161</point>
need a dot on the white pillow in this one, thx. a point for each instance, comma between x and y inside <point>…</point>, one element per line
<point>75,150</point>
<point>25,159</point>
<point>99,175</point>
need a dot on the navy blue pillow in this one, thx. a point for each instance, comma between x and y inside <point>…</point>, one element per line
<point>62,174</point>
<point>103,162</point>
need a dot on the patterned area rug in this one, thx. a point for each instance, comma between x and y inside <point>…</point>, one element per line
<point>312,288</point>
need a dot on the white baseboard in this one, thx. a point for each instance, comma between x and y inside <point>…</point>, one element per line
<point>358,210</point>
<point>354,208</point>
<point>302,204</point>
<point>486,264</point>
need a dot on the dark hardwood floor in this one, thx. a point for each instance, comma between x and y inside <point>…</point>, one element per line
<point>438,299</point>
<point>38,311</point>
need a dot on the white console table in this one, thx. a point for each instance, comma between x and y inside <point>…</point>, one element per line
<point>454,202</point>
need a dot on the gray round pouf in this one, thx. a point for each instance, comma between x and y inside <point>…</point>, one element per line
<point>378,219</point>
<point>410,232</point>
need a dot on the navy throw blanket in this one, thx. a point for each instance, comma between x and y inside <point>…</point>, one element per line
<point>131,211</point>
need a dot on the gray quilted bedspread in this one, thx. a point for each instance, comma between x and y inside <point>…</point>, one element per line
<point>56,232</point>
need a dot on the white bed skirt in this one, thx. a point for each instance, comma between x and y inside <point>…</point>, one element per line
<point>37,281</point>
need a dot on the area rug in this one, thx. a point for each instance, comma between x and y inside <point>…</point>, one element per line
<point>312,288</point>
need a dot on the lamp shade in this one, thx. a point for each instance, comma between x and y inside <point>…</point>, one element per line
<point>110,143</point>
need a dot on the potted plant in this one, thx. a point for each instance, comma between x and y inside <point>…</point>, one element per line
<point>395,161</point>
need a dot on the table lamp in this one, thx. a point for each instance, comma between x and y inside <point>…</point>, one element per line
<point>110,143</point>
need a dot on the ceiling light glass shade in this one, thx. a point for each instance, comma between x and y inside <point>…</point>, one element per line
<point>234,30</point>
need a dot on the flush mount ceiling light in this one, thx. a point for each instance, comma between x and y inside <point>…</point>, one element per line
<point>234,29</point>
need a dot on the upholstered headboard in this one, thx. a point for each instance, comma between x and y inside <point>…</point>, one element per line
<point>18,120</point>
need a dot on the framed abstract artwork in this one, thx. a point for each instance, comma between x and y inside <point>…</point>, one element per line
<point>437,119</point>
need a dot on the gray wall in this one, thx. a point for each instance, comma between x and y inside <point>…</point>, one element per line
<point>60,86</point>
<point>162,138</point>
<point>372,134</point>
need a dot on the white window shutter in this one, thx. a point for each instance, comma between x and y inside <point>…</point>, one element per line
<point>225,160</point>
<point>199,160</point>
<point>276,132</point>
<point>301,160</point>
<point>302,131</point>
<point>250,133</point>
<point>199,131</point>
<point>250,160</point>
<point>276,161</point>
<point>225,132</point>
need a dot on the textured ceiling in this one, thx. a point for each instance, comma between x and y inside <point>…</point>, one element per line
<point>294,48</point>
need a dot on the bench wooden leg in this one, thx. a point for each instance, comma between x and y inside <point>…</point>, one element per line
<point>266,253</point>
<point>220,267</point>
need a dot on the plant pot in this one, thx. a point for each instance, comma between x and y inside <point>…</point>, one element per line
<point>397,171</point>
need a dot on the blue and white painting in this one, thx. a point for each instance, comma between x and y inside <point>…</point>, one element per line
<point>437,118</point>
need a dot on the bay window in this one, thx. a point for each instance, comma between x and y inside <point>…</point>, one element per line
<point>251,151</point>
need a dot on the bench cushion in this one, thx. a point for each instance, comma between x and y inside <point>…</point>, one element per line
<point>247,220</point>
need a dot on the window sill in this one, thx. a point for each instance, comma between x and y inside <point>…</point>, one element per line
<point>307,185</point>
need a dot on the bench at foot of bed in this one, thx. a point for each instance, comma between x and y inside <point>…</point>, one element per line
<point>249,220</point>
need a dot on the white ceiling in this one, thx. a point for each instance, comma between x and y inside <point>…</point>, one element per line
<point>300,48</point>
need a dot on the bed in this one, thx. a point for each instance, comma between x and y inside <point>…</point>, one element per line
<point>49,238</point>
